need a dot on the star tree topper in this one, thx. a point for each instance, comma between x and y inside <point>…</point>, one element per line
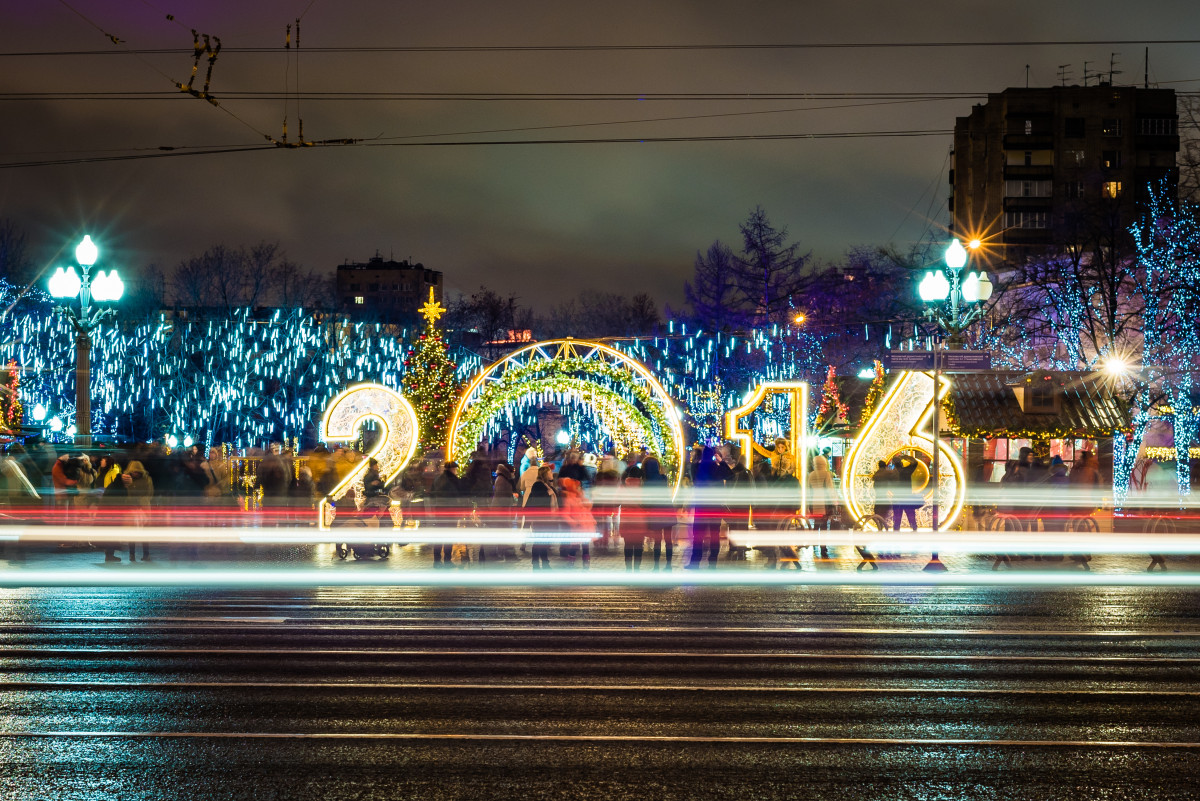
<point>432,310</point>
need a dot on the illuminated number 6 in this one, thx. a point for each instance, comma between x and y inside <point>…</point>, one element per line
<point>346,413</point>
<point>902,421</point>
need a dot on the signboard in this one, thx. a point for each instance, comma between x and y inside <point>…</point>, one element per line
<point>951,361</point>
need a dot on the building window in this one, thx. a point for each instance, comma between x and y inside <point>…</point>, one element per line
<point>1028,127</point>
<point>1028,188</point>
<point>1026,219</point>
<point>1111,126</point>
<point>1076,158</point>
<point>354,287</point>
<point>1156,126</point>
<point>1041,399</point>
<point>1110,159</point>
<point>1073,128</point>
<point>1111,189</point>
<point>1028,158</point>
<point>395,287</point>
<point>359,300</point>
<point>1073,190</point>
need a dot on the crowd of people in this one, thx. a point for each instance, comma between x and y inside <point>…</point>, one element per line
<point>570,501</point>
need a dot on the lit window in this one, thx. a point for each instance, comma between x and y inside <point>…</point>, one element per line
<point>1028,127</point>
<point>1112,189</point>
<point>1111,159</point>
<point>1111,127</point>
<point>360,300</point>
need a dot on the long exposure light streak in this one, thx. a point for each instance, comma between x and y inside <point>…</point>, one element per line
<point>379,575</point>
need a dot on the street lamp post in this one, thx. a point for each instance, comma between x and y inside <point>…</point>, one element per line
<point>66,286</point>
<point>963,309</point>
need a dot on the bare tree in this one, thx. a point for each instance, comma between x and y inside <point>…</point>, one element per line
<point>15,264</point>
<point>770,273</point>
<point>713,293</point>
<point>1189,148</point>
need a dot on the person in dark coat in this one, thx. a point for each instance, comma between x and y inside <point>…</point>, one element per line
<point>446,496</point>
<point>709,484</point>
<point>884,479</point>
<point>541,503</point>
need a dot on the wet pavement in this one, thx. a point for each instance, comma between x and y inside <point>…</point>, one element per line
<point>600,692</point>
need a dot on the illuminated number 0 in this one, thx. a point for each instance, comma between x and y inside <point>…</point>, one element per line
<point>346,413</point>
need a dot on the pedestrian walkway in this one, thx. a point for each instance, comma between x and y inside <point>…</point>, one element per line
<point>420,556</point>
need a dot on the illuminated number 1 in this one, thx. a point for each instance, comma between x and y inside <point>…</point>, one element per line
<point>346,413</point>
<point>797,392</point>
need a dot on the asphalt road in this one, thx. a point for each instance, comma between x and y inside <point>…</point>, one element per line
<point>530,693</point>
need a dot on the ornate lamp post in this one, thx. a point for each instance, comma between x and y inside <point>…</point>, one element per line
<point>66,286</point>
<point>963,309</point>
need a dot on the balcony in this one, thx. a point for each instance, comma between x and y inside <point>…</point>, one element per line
<point>1021,172</point>
<point>1028,203</point>
<point>1152,142</point>
<point>1029,142</point>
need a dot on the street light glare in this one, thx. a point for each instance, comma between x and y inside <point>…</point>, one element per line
<point>798,319</point>
<point>975,244</point>
<point>1116,366</point>
<point>86,252</point>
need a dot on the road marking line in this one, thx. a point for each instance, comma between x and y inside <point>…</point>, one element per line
<point>319,685</point>
<point>7,651</point>
<point>611,738</point>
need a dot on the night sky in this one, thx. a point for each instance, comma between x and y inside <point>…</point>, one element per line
<point>540,220</point>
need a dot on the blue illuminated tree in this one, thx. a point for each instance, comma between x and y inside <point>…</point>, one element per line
<point>1168,243</point>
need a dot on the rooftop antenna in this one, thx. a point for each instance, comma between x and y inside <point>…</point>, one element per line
<point>1086,74</point>
<point>1112,62</point>
<point>1146,74</point>
<point>1026,76</point>
<point>1064,71</point>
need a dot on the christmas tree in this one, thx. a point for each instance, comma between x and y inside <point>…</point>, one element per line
<point>429,380</point>
<point>11,410</point>
<point>874,393</point>
<point>832,413</point>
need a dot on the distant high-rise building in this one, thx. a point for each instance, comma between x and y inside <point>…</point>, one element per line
<point>1030,164</point>
<point>389,290</point>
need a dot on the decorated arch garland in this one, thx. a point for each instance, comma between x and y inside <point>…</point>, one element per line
<point>642,414</point>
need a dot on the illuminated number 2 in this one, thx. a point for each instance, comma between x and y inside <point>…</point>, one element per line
<point>902,422</point>
<point>346,413</point>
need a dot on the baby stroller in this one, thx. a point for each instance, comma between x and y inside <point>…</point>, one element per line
<point>349,517</point>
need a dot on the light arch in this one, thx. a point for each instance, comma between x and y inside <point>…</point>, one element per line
<point>534,368</point>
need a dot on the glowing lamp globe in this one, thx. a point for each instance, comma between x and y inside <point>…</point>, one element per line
<point>934,286</point>
<point>86,252</point>
<point>39,413</point>
<point>956,255</point>
<point>56,424</point>
<point>107,286</point>
<point>65,283</point>
<point>71,430</point>
<point>562,437</point>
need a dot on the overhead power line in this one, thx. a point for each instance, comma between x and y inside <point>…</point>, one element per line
<point>602,48</point>
<point>168,152</point>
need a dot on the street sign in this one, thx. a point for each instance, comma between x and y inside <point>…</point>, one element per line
<point>950,361</point>
<point>965,361</point>
<point>910,360</point>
